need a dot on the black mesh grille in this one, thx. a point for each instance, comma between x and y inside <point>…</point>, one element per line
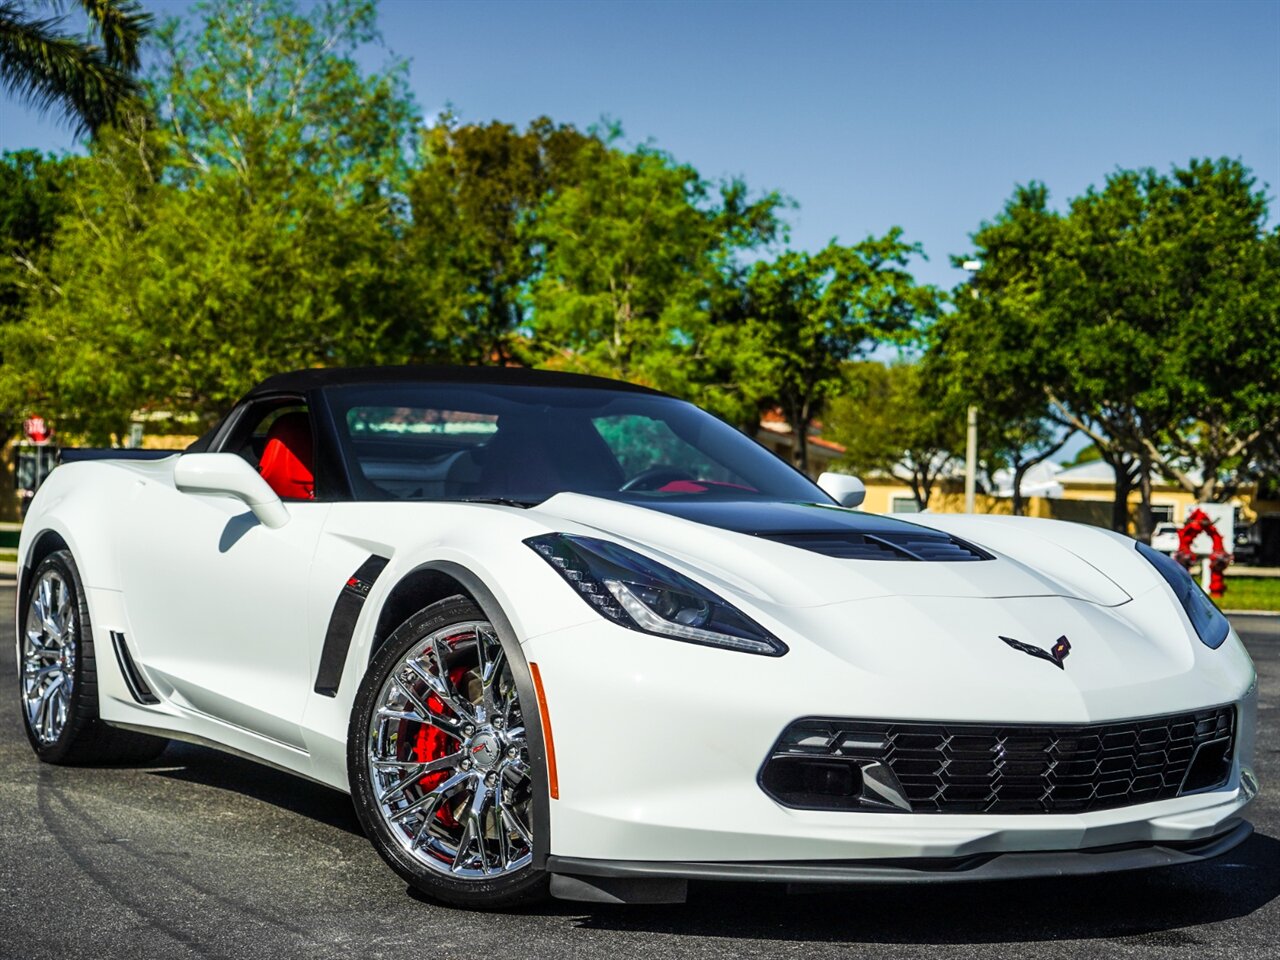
<point>979,768</point>
<point>927,546</point>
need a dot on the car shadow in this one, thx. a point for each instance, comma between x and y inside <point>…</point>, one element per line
<point>224,771</point>
<point>1158,905</point>
<point>237,526</point>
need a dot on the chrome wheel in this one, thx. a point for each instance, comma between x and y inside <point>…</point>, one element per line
<point>49,656</point>
<point>447,757</point>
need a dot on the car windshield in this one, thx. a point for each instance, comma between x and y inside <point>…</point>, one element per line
<point>526,443</point>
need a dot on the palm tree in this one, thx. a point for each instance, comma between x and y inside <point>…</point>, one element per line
<point>90,84</point>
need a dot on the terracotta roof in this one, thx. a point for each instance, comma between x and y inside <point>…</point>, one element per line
<point>773,421</point>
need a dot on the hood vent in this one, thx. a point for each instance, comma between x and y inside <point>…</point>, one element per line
<point>916,545</point>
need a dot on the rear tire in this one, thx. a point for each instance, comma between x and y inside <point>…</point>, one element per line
<point>466,768</point>
<point>58,675</point>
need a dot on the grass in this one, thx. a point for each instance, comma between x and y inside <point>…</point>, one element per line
<point>8,556</point>
<point>1251,593</point>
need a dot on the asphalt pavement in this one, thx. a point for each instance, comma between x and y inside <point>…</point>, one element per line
<point>205,855</point>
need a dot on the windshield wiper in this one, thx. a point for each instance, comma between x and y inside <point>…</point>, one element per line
<point>502,501</point>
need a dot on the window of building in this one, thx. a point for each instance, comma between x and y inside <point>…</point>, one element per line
<point>903,505</point>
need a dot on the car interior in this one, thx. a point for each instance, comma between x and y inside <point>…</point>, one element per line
<point>518,459</point>
<point>510,451</point>
<point>276,439</point>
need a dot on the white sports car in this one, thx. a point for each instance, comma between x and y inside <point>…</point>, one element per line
<point>557,633</point>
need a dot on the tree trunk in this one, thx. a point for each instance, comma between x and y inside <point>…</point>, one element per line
<point>1144,524</point>
<point>1123,487</point>
<point>1019,471</point>
<point>799,439</point>
<point>921,488</point>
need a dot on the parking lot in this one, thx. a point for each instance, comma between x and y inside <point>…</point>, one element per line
<point>205,855</point>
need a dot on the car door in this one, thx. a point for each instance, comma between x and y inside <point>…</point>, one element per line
<point>216,600</point>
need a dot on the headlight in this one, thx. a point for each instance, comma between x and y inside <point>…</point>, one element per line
<point>1211,626</point>
<point>641,594</point>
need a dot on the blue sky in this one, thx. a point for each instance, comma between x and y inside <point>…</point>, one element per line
<point>869,115</point>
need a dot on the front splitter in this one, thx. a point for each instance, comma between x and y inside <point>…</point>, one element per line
<point>635,881</point>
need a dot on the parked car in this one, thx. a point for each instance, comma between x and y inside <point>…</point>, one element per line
<point>1165,538</point>
<point>561,634</point>
<point>1248,543</point>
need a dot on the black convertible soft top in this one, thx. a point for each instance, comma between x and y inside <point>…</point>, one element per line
<point>299,381</point>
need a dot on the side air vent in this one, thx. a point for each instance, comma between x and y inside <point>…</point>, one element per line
<point>342,624</point>
<point>922,546</point>
<point>138,688</point>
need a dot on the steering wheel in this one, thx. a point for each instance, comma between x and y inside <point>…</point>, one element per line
<point>656,477</point>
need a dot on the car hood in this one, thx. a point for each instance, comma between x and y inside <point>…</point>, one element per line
<point>798,554</point>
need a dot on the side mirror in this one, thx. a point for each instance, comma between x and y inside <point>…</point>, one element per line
<point>845,490</point>
<point>227,475</point>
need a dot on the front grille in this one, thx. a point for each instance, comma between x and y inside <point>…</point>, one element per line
<point>1008,768</point>
<point>851,545</point>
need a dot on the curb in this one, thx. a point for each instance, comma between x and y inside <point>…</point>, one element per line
<point>1251,613</point>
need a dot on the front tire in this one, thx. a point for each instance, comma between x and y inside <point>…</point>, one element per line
<point>58,677</point>
<point>438,763</point>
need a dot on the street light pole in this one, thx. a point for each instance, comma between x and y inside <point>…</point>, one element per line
<point>971,460</point>
<point>971,434</point>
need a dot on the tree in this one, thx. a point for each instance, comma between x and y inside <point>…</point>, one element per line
<point>640,271</point>
<point>474,198</point>
<point>1169,310</point>
<point>1220,290</point>
<point>810,314</point>
<point>255,228</point>
<point>46,67</point>
<point>1148,316</point>
<point>622,245</point>
<point>889,424</point>
<point>1010,342</point>
<point>995,349</point>
<point>33,190</point>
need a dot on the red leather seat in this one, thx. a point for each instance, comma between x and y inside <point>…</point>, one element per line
<point>287,461</point>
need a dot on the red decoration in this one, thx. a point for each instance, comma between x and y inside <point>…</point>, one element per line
<point>1198,522</point>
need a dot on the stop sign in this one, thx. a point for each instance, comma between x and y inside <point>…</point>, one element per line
<point>36,429</point>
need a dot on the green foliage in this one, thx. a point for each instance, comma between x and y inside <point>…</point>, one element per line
<point>634,249</point>
<point>997,347</point>
<point>625,251</point>
<point>277,205</point>
<point>890,424</point>
<point>810,314</point>
<point>642,276</point>
<point>275,97</point>
<point>90,85</point>
<point>1147,315</point>
<point>1087,454</point>
<point>1171,313</point>
<point>32,196</point>
<point>253,230</point>
<point>474,198</point>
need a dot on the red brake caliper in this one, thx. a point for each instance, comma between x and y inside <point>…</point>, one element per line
<point>433,743</point>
